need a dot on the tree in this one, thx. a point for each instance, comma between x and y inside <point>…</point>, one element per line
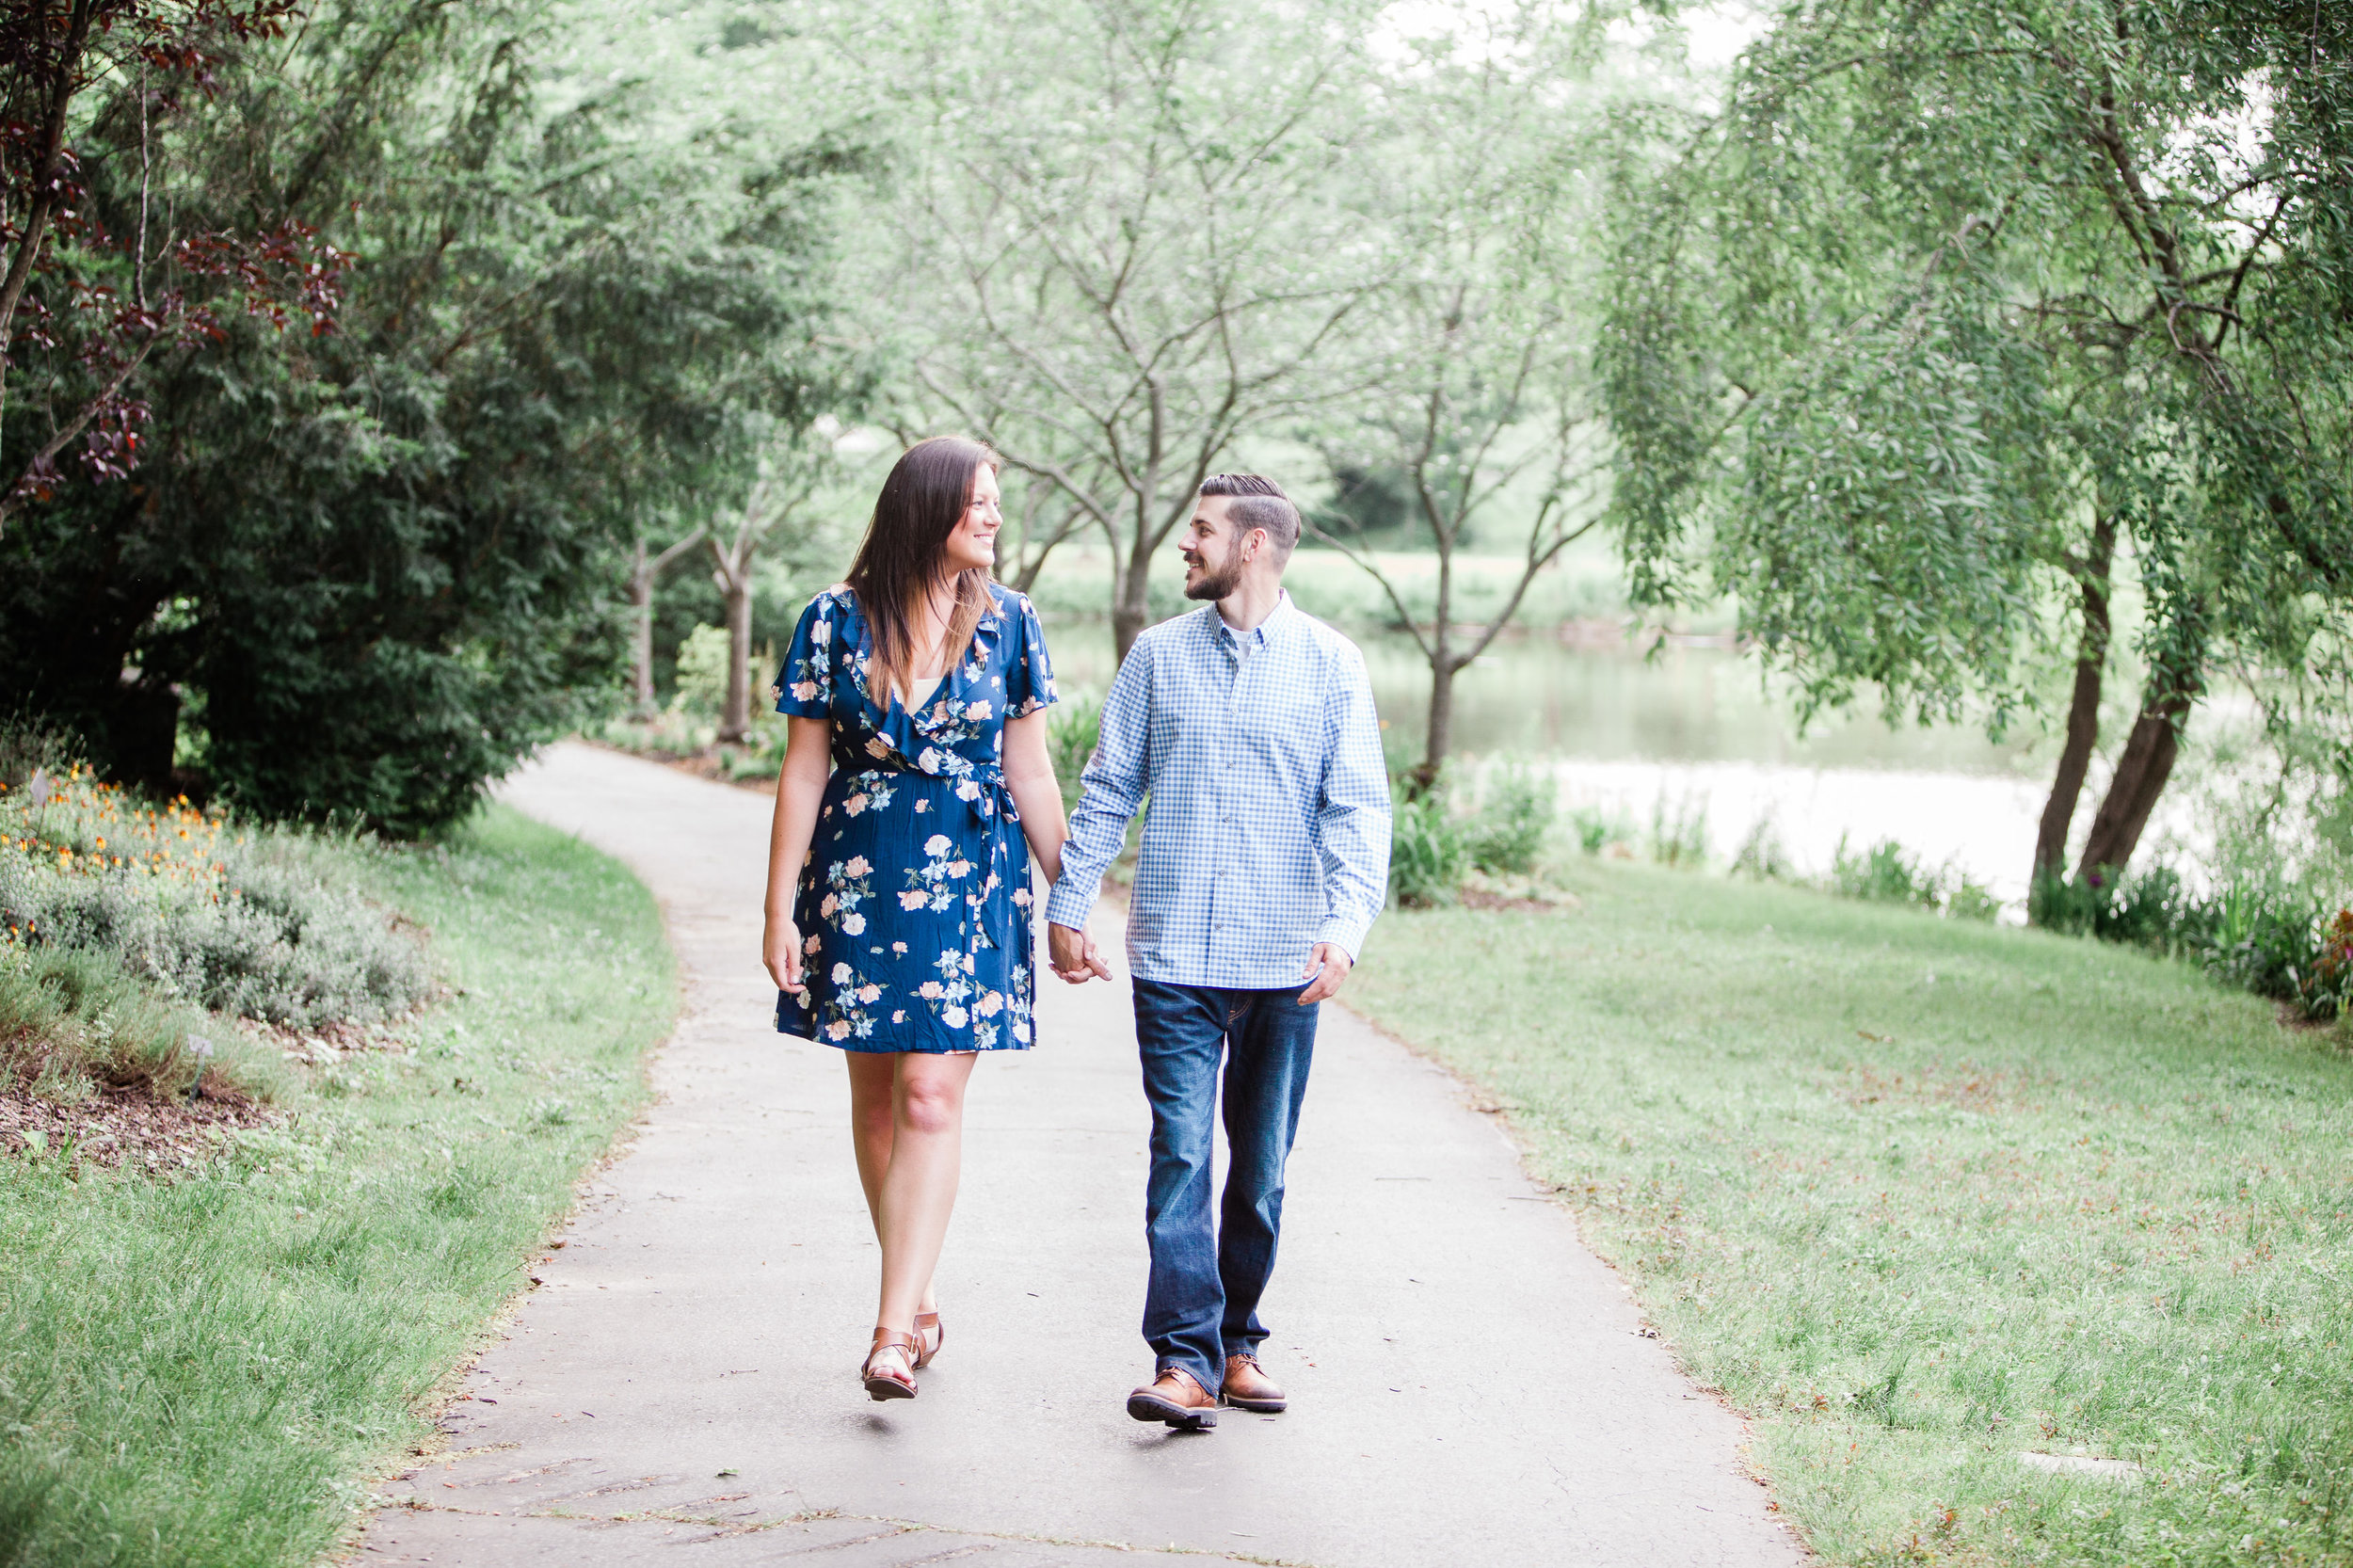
<point>82,308</point>
<point>1955,307</point>
<point>1141,249</point>
<point>364,575</point>
<point>1482,386</point>
<point>791,472</point>
<point>645,572</point>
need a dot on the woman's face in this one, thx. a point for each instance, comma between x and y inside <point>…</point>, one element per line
<point>973,542</point>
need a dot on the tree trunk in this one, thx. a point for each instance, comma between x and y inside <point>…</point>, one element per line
<point>2141,771</point>
<point>735,718</point>
<point>641,631</point>
<point>2083,710</point>
<point>1445,664</point>
<point>1131,607</point>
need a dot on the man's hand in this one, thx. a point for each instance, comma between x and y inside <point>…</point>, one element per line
<point>780,951</point>
<point>1073,953</point>
<point>1330,965</point>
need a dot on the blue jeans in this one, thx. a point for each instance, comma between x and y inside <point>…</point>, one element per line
<point>1202,1303</point>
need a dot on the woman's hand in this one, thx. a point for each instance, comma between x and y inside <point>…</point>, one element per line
<point>780,950</point>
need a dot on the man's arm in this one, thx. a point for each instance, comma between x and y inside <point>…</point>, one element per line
<point>1115,779</point>
<point>1353,829</point>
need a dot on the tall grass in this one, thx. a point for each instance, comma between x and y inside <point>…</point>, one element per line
<point>199,1371</point>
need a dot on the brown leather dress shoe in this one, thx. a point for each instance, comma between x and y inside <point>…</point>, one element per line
<point>1248,1388</point>
<point>1175,1398</point>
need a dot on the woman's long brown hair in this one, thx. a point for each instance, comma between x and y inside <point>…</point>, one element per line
<point>903,555</point>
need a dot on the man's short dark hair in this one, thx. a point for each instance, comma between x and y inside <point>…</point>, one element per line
<point>1257,502</point>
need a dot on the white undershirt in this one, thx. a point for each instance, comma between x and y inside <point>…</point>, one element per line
<point>931,694</point>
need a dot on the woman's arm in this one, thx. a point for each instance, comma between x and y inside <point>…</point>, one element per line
<point>800,786</point>
<point>1029,775</point>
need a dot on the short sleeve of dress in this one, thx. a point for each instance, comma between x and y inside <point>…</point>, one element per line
<point>805,684</point>
<point>1029,672</point>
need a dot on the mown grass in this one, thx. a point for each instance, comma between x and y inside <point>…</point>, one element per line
<point>203,1371</point>
<point>1924,1194</point>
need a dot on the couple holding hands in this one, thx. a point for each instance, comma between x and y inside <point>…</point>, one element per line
<point>917,786</point>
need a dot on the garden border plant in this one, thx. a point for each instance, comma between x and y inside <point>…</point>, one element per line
<point>200,1369</point>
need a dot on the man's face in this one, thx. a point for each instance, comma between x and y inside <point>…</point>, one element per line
<point>1212,551</point>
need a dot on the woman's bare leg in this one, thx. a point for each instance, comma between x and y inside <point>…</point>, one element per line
<point>871,1073</point>
<point>918,1192</point>
<point>873,1076</point>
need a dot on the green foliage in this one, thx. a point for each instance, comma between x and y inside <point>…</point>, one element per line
<point>702,671</point>
<point>1597,830</point>
<point>1073,727</point>
<point>1884,874</point>
<point>1938,287</point>
<point>1914,1227</point>
<point>194,1369</point>
<point>364,572</point>
<point>1678,832</point>
<point>267,924</point>
<point>1889,873</point>
<point>1514,814</point>
<point>1762,856</point>
<point>2259,934</point>
<point>73,1020</point>
<point>1427,854</point>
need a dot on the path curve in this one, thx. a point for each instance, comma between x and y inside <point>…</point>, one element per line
<point>685,1374</point>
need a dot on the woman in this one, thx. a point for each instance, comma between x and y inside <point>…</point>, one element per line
<point>923,687</point>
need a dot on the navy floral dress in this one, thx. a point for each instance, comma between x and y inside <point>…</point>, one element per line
<point>913,905</point>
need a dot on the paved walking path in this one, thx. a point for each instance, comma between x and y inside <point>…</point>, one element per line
<point>1468,1384</point>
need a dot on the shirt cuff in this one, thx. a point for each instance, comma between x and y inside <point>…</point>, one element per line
<point>1345,932</point>
<point>1072,900</point>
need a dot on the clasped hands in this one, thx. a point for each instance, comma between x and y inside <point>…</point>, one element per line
<point>1074,955</point>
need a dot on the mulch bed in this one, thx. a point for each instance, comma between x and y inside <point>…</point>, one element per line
<point>129,1127</point>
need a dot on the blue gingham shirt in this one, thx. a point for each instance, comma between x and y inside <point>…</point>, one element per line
<point>1269,827</point>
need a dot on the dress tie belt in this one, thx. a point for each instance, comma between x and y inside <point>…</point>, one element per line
<point>991,803</point>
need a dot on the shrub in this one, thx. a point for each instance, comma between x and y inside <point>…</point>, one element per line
<point>2256,933</point>
<point>1762,854</point>
<point>1596,830</point>
<point>2268,941</point>
<point>1072,728</point>
<point>1427,853</point>
<point>1884,874</point>
<point>1889,873</point>
<point>266,926</point>
<point>1678,836</point>
<point>1505,834</point>
<point>703,672</point>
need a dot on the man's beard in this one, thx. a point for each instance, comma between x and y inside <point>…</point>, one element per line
<point>1217,584</point>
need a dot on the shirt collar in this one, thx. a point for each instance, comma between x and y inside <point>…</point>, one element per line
<point>1261,635</point>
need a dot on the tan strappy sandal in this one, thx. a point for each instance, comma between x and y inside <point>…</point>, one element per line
<point>882,1381</point>
<point>929,1332</point>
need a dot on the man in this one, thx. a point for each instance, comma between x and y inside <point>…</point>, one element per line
<point>1265,852</point>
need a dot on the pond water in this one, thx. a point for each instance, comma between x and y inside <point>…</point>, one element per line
<point>1692,732</point>
<point>1537,697</point>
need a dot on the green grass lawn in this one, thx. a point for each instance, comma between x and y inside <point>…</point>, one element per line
<point>203,1371</point>
<point>1920,1195</point>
